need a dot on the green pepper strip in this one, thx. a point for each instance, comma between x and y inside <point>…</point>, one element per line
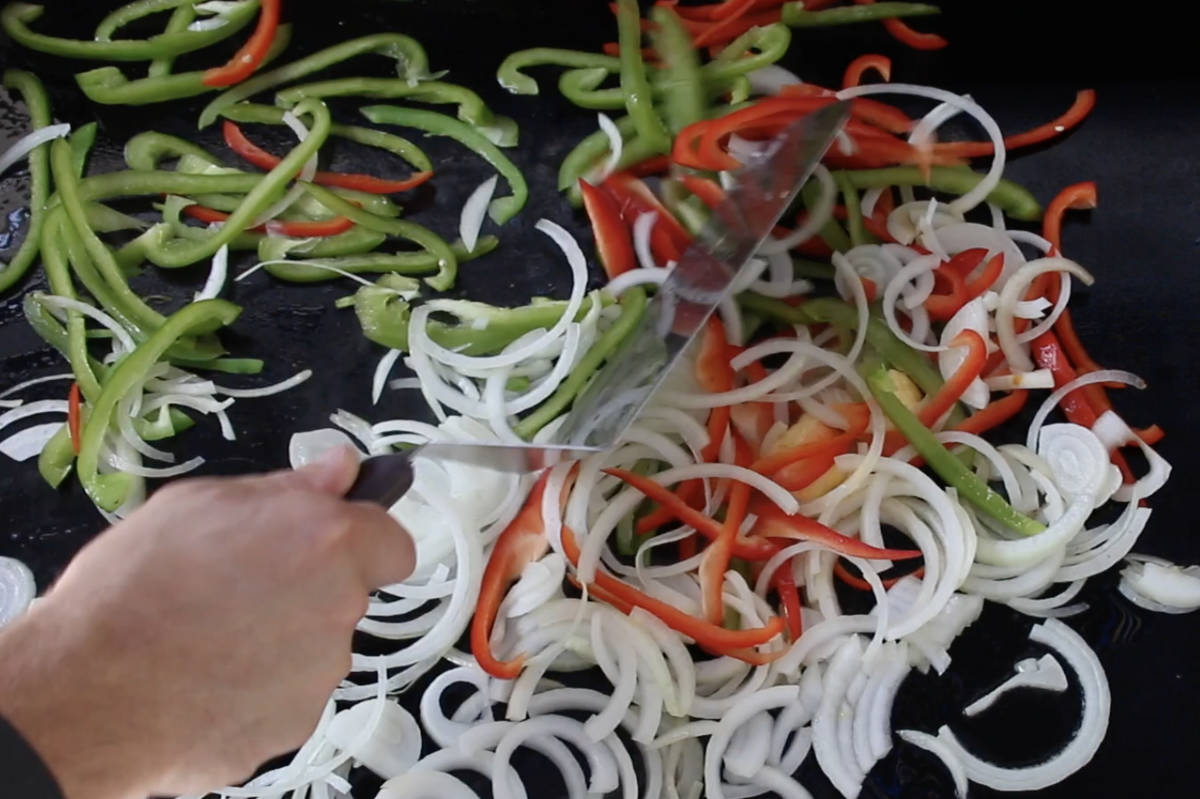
<point>502,209</point>
<point>132,12</point>
<point>81,140</point>
<point>397,145</point>
<point>38,103</point>
<point>412,65</point>
<point>754,49</point>
<point>15,18</point>
<point>1014,199</point>
<point>803,267</point>
<point>590,150</point>
<point>447,263</point>
<point>58,275</point>
<point>181,17</point>
<point>501,131</point>
<point>681,80</point>
<point>970,486</point>
<point>145,150</point>
<point>633,305</point>
<point>109,86</point>
<point>182,252</point>
<point>854,217</point>
<point>131,306</point>
<point>511,78</point>
<point>85,269</point>
<point>639,97</point>
<point>401,263</point>
<point>831,232</point>
<point>109,491</point>
<point>796,16</point>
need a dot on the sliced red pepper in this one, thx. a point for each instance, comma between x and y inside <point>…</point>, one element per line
<point>74,417</point>
<point>1048,354</point>
<point>745,547</point>
<point>754,419</point>
<point>710,636</point>
<point>1076,196</point>
<point>317,228</point>
<point>614,242</point>
<point>709,192</point>
<point>774,523</point>
<point>715,561</point>
<point>941,402</point>
<point>900,31</point>
<point>237,141</point>
<point>859,583</point>
<point>1085,101</point>
<point>785,586</point>
<point>994,414</point>
<point>722,30</point>
<point>855,70</point>
<point>250,55</point>
<point>668,238</point>
<point>522,542</point>
<point>722,10</point>
<point>801,474</point>
<point>943,305</point>
<point>655,165</point>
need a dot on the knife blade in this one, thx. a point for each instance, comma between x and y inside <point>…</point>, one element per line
<point>761,191</point>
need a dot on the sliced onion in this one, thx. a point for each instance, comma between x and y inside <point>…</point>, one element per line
<point>1096,700</point>
<point>1014,289</point>
<point>643,226</point>
<point>31,409</point>
<point>66,303</point>
<point>1044,673</point>
<point>1051,402</point>
<point>942,752</point>
<point>821,213</point>
<point>1168,589</point>
<point>771,78</point>
<point>266,391</point>
<point>30,442</point>
<point>739,714</point>
<point>473,212</point>
<point>616,144</point>
<point>395,741</point>
<point>36,381</point>
<point>382,370</point>
<point>216,275</point>
<point>31,141</point>
<point>971,316</point>
<point>636,277</point>
<point>17,589</point>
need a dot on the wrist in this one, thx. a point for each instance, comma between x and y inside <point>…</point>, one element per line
<point>52,691</point>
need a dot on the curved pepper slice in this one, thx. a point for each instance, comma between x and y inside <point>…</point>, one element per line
<point>614,243</point>
<point>251,54</point>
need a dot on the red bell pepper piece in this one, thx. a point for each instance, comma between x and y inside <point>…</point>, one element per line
<point>994,414</point>
<point>318,228</point>
<point>237,141</point>
<point>668,239</point>
<point>709,192</point>
<point>900,31</point>
<point>856,68</point>
<point>710,636</point>
<point>74,417</point>
<point>849,579</point>
<point>522,542</point>
<point>614,241</point>
<point>250,56</point>
<point>1085,101</point>
<point>774,523</point>
<point>943,305</point>
<point>715,561</point>
<point>801,474</point>
<point>785,586</point>
<point>722,29</point>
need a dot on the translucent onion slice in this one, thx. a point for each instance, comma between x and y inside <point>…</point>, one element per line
<point>473,212</point>
<point>31,141</point>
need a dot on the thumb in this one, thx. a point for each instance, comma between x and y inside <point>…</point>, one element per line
<point>332,473</point>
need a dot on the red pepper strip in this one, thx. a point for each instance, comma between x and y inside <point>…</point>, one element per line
<point>237,141</point>
<point>1150,435</point>
<point>302,229</point>
<point>849,579</point>
<point>774,523</point>
<point>718,30</point>
<point>854,71</point>
<point>745,547</point>
<point>785,586</point>
<point>251,54</point>
<point>649,54</point>
<point>604,596</point>
<point>74,417</point>
<point>522,542</point>
<point>654,165</point>
<point>719,11</point>
<point>732,29</point>
<point>859,417</point>
<point>900,31</point>
<point>715,561</point>
<point>668,239</point>
<point>873,112</point>
<point>710,636</point>
<point>994,413</point>
<point>800,475</point>
<point>614,242</point>
<point>1077,195</point>
<point>942,306</point>
<point>757,417</point>
<point>1085,101</point>
<point>707,190</point>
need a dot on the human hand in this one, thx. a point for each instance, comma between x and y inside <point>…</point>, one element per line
<point>202,635</point>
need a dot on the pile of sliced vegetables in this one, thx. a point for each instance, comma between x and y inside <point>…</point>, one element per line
<point>825,437</point>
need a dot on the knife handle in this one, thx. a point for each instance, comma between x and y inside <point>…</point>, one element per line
<point>382,479</point>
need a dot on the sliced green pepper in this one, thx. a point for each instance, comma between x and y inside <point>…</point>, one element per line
<point>831,232</point>
<point>502,209</point>
<point>411,64</point>
<point>355,241</point>
<point>639,97</point>
<point>447,263</point>
<point>109,491</point>
<point>970,486</point>
<point>511,78</point>
<point>402,263</point>
<point>681,81</point>
<point>82,140</point>
<point>132,12</point>
<point>15,18</point>
<point>145,150</point>
<point>854,217</point>
<point>38,104</point>
<point>633,305</point>
<point>181,18</point>
<point>795,15</point>
<point>754,49</point>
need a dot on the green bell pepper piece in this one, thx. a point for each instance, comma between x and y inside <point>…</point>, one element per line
<point>38,104</point>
